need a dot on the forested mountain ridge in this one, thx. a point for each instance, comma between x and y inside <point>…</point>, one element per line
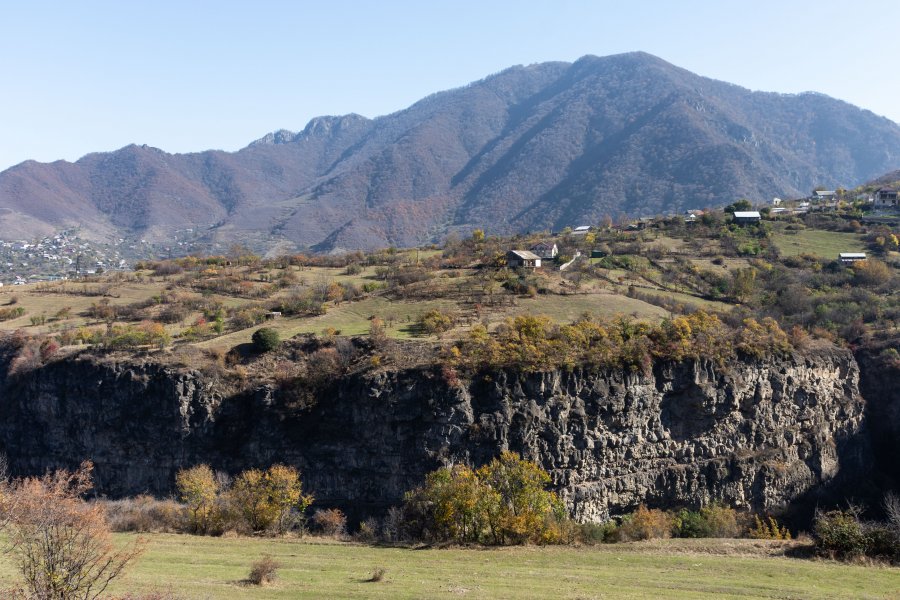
<point>529,148</point>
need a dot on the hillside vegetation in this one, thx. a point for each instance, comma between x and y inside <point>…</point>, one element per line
<point>670,290</point>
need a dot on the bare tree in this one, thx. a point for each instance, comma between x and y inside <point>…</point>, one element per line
<point>891,504</point>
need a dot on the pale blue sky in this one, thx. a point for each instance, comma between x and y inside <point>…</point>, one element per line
<point>83,76</point>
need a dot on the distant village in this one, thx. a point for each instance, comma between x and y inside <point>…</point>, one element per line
<point>881,206</point>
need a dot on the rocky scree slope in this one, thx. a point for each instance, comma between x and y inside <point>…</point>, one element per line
<point>760,434</point>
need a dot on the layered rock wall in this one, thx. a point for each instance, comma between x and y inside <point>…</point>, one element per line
<point>759,434</point>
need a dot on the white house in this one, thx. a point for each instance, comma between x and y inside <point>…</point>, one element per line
<point>546,250</point>
<point>851,257</point>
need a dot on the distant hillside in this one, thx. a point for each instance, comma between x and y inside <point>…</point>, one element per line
<point>888,179</point>
<point>530,148</point>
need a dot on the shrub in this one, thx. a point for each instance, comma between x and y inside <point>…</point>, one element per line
<point>722,521</point>
<point>435,322</point>
<point>331,521</point>
<point>768,529</point>
<point>145,514</point>
<point>266,339</point>
<point>691,524</point>
<point>264,570</point>
<point>840,533</point>
<point>7,314</point>
<point>598,533</point>
<point>646,524</point>
<point>368,531</point>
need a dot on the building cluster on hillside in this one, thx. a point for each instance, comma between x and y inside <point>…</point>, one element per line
<point>61,256</point>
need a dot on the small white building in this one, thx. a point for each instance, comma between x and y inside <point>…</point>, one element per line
<point>851,257</point>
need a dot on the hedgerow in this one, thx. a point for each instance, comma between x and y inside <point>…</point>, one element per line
<point>534,342</point>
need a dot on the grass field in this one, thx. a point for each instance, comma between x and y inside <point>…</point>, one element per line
<point>214,568</point>
<point>825,244</point>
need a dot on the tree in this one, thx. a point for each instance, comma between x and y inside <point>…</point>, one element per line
<point>740,205</point>
<point>503,502</point>
<point>524,507</point>
<point>743,283</point>
<point>62,544</point>
<point>266,339</point>
<point>478,236</point>
<point>266,498</point>
<point>199,489</point>
<point>435,322</point>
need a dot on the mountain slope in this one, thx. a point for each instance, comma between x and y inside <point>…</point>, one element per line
<point>529,148</point>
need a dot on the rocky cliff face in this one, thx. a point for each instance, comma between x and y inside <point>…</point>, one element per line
<point>760,434</point>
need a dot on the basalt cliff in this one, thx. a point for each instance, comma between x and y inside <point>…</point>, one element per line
<point>769,434</point>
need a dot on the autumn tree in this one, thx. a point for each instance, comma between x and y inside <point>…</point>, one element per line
<point>435,322</point>
<point>199,489</point>
<point>503,502</point>
<point>62,545</point>
<point>266,498</point>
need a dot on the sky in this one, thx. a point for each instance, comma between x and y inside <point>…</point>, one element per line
<point>89,76</point>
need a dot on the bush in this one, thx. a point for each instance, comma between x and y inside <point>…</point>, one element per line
<point>768,529</point>
<point>264,571</point>
<point>331,521</point>
<point>598,533</point>
<point>144,514</point>
<point>840,533</point>
<point>266,339</point>
<point>646,524</point>
<point>434,322</point>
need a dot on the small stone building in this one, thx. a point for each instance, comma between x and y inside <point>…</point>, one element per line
<point>523,258</point>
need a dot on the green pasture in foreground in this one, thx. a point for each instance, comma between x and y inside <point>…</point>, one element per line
<point>213,568</point>
<point>824,244</point>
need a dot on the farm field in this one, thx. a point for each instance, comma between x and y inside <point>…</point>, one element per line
<point>214,568</point>
<point>824,244</point>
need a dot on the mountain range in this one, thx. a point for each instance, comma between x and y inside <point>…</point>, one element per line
<point>536,147</point>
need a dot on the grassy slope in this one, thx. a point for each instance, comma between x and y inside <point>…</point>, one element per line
<point>826,244</point>
<point>196,567</point>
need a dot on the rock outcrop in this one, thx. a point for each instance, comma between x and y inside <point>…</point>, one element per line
<point>758,434</point>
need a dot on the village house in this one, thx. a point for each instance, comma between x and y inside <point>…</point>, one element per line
<point>746,217</point>
<point>581,230</point>
<point>886,197</point>
<point>545,250</point>
<point>523,258</point>
<point>824,195</point>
